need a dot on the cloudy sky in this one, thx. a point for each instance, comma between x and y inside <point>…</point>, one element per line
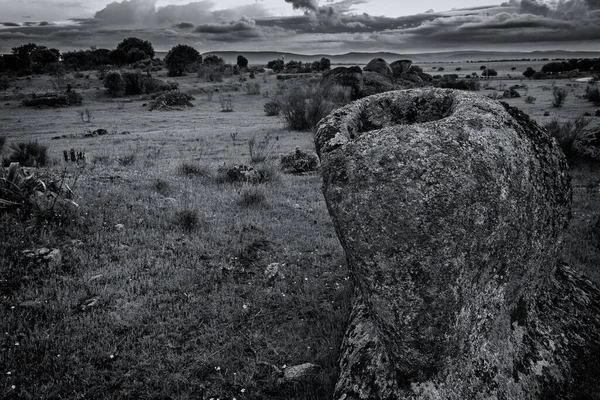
<point>306,26</point>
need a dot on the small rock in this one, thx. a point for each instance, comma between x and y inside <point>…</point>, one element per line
<point>244,173</point>
<point>300,372</point>
<point>272,270</point>
<point>546,113</point>
<point>100,132</point>
<point>120,227</point>
<point>30,303</point>
<point>95,277</point>
<point>53,259</point>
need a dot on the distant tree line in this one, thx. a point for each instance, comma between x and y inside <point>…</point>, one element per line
<point>298,67</point>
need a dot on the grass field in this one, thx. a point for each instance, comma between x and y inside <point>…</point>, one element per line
<point>162,291</point>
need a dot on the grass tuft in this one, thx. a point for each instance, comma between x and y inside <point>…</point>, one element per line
<point>251,196</point>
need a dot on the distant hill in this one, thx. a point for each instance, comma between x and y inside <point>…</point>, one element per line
<point>262,57</point>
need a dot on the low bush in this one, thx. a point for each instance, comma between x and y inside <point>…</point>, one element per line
<point>530,100</point>
<point>303,104</point>
<point>187,220</point>
<point>252,88</point>
<point>127,159</point>
<point>134,83</point>
<point>566,133</point>
<point>559,96</point>
<point>299,162</point>
<point>226,102</point>
<point>171,100</point>
<point>189,169</point>
<point>260,150</point>
<point>210,73</point>
<point>460,84</point>
<point>162,187</point>
<point>272,108</point>
<point>27,193</point>
<point>27,154</point>
<point>4,82</point>
<point>592,93</point>
<point>2,143</point>
<point>251,196</point>
<point>54,99</point>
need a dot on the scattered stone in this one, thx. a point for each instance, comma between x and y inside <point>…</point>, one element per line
<point>299,161</point>
<point>120,227</point>
<point>450,208</point>
<point>299,373</point>
<point>546,113</point>
<point>272,270</point>
<point>50,258</point>
<point>380,66</point>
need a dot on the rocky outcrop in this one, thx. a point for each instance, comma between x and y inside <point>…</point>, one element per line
<point>380,66</point>
<point>450,207</point>
<point>400,67</point>
<point>351,77</point>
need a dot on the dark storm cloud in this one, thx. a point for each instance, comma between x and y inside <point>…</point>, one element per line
<point>10,24</point>
<point>184,25</point>
<point>310,5</point>
<point>244,24</point>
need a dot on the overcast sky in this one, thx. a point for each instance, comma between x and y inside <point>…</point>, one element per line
<point>306,26</point>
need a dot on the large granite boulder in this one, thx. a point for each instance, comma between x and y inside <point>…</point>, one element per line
<point>380,66</point>
<point>400,67</point>
<point>450,207</point>
<point>351,77</point>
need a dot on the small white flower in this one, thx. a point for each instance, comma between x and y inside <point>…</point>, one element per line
<point>218,368</point>
<point>242,390</point>
<point>9,373</point>
<point>112,356</point>
<point>17,343</point>
<point>13,387</point>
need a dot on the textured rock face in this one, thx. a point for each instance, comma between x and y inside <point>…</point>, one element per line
<point>351,77</point>
<point>450,207</point>
<point>380,66</point>
<point>399,67</point>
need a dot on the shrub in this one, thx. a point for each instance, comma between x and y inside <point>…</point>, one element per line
<point>162,187</point>
<point>272,108</point>
<point>226,102</point>
<point>210,73</point>
<point>530,100</point>
<point>489,72</point>
<point>2,142</point>
<point>70,98</point>
<point>261,150</point>
<point>113,82</point>
<point>460,84</point>
<point>189,169</point>
<point>299,162</point>
<point>27,154</point>
<point>180,57</point>
<point>251,196</point>
<point>171,100</point>
<point>127,159</point>
<point>25,193</point>
<point>252,88</point>
<point>566,133</point>
<point>302,106</point>
<point>559,96</point>
<point>242,61</point>
<point>4,82</point>
<point>592,93</point>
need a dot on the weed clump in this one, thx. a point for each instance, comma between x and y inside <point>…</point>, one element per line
<point>303,105</point>
<point>299,162</point>
<point>559,96</point>
<point>189,169</point>
<point>592,93</point>
<point>251,196</point>
<point>272,109</point>
<point>27,154</point>
<point>134,83</point>
<point>54,99</point>
<point>567,133</point>
<point>171,100</point>
<point>187,220</point>
<point>530,99</point>
<point>162,187</point>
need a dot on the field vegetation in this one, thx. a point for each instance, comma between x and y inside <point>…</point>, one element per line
<point>180,258</point>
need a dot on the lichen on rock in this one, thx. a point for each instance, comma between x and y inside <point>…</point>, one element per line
<point>450,207</point>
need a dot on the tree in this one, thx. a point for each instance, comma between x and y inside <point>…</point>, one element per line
<point>134,55</point>
<point>180,57</point>
<point>489,72</point>
<point>529,72</point>
<point>242,62</point>
<point>212,59</point>
<point>134,43</point>
<point>276,65</point>
<point>117,57</point>
<point>325,64</point>
<point>483,67</point>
